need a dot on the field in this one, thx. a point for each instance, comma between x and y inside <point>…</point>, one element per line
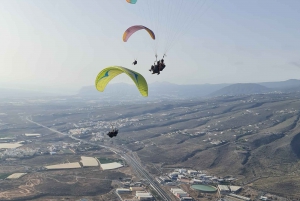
<point>16,175</point>
<point>88,161</point>
<point>63,166</point>
<point>9,145</point>
<point>110,160</point>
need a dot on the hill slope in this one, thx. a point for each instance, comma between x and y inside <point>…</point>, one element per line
<point>239,89</point>
<point>156,90</point>
<point>160,90</point>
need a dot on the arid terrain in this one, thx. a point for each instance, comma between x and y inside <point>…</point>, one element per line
<point>253,138</point>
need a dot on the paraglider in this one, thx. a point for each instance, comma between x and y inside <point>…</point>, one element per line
<point>113,133</point>
<point>159,66</point>
<point>131,1</point>
<point>133,29</point>
<point>107,74</point>
<point>169,20</point>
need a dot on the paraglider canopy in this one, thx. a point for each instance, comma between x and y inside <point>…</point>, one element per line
<point>133,29</point>
<point>170,19</point>
<point>107,74</point>
<point>131,1</point>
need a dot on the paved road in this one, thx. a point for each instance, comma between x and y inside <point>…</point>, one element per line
<point>147,176</point>
<point>127,156</point>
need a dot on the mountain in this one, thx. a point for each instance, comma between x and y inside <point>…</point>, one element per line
<point>239,89</point>
<point>161,90</point>
<point>156,90</point>
<point>292,83</point>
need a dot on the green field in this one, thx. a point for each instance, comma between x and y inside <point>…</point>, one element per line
<point>4,175</point>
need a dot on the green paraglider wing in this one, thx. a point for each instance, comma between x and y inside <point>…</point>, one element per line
<point>107,74</point>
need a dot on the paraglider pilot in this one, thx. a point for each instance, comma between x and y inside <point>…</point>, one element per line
<point>113,133</point>
<point>159,66</point>
<point>135,62</point>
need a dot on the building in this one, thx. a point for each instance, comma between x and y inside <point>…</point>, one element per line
<point>229,179</point>
<point>187,181</point>
<point>181,171</point>
<point>146,198</point>
<point>175,190</point>
<point>181,176</point>
<point>207,177</point>
<point>263,198</point>
<point>170,184</point>
<point>123,190</point>
<point>223,189</point>
<point>136,188</point>
<point>201,175</point>
<point>143,195</point>
<point>186,199</point>
<point>196,181</point>
<point>239,197</point>
<point>159,180</point>
<point>192,172</point>
<point>32,135</point>
<point>182,194</point>
<point>165,179</point>
<point>173,175</point>
<point>235,189</point>
<point>126,184</point>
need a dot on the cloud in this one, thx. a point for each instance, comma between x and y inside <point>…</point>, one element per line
<point>294,63</point>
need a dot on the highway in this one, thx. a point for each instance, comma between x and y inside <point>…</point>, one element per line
<point>137,166</point>
<point>129,159</point>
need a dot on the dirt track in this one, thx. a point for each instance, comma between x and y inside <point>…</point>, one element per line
<point>24,190</point>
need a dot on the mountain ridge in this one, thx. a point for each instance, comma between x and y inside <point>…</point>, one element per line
<point>166,89</point>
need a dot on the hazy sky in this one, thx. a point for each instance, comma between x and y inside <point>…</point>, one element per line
<point>64,44</point>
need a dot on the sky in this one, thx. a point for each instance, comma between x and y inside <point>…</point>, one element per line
<point>61,45</point>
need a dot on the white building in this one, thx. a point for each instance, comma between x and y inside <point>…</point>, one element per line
<point>235,189</point>
<point>175,190</point>
<point>196,181</point>
<point>32,135</point>
<point>181,171</point>
<point>263,198</point>
<point>223,189</point>
<point>192,172</point>
<point>123,190</point>
<point>207,177</point>
<point>181,176</point>
<point>144,195</point>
